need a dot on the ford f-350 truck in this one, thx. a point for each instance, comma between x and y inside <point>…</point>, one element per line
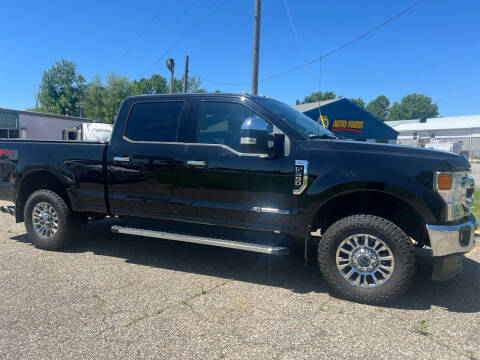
<point>232,161</point>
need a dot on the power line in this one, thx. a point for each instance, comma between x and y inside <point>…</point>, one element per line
<point>294,30</point>
<point>300,50</point>
<point>213,6</point>
<point>341,47</point>
<point>170,29</point>
<point>140,35</point>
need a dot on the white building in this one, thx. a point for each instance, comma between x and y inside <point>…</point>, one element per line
<point>464,130</point>
<point>19,124</point>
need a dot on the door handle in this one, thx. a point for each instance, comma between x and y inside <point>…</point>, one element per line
<point>121,158</point>
<point>198,163</point>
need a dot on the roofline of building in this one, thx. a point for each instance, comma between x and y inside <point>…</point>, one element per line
<point>316,104</point>
<point>55,116</point>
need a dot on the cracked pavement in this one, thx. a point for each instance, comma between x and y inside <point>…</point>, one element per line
<point>115,296</point>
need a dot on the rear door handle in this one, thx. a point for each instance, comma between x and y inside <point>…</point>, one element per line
<point>121,158</point>
<point>197,163</point>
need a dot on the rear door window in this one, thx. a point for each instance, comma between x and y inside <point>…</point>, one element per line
<point>154,121</point>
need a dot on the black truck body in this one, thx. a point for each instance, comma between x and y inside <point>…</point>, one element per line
<point>245,162</point>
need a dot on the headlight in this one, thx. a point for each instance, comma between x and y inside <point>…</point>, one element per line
<point>456,189</point>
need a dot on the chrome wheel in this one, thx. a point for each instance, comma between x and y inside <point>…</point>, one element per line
<point>45,220</point>
<point>365,261</point>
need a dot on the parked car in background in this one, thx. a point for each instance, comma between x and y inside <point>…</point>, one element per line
<point>221,162</point>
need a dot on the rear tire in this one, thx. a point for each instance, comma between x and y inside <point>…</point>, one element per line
<point>366,259</point>
<point>49,222</point>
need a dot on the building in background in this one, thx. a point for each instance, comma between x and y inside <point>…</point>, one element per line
<point>461,133</point>
<point>344,118</point>
<point>19,124</point>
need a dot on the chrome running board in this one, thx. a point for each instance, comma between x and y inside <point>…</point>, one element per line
<point>265,249</point>
<point>8,209</point>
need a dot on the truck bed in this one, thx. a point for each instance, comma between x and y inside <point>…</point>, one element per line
<point>77,165</point>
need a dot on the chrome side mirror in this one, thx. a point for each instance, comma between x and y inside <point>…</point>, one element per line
<point>254,136</point>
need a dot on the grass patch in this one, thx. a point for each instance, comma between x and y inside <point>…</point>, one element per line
<point>422,327</point>
<point>476,206</point>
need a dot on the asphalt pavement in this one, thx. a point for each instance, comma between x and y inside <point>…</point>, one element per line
<point>123,297</point>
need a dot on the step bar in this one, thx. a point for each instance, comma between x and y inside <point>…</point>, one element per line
<point>7,209</point>
<point>264,249</point>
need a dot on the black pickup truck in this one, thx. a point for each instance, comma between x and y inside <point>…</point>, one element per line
<point>204,163</point>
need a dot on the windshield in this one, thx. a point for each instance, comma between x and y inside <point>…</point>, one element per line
<point>295,119</point>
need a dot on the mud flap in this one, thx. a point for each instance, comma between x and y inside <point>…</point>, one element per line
<point>446,267</point>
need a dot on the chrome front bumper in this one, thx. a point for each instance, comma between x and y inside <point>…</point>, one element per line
<point>452,239</point>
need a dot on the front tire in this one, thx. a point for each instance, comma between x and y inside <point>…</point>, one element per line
<point>49,222</point>
<point>367,259</point>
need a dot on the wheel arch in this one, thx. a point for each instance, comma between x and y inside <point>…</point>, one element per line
<point>372,202</point>
<point>35,180</point>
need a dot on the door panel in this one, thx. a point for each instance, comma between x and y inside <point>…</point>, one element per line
<point>228,187</point>
<point>237,190</point>
<point>146,166</point>
<point>150,182</point>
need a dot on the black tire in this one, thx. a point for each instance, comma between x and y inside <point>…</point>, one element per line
<point>400,246</point>
<point>68,222</point>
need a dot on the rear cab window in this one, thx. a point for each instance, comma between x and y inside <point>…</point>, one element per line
<point>154,121</point>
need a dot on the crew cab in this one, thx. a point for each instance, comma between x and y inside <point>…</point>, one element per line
<point>253,174</point>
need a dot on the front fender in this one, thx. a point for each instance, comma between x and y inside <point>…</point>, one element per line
<point>413,190</point>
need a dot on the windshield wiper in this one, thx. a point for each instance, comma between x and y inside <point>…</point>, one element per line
<point>323,136</point>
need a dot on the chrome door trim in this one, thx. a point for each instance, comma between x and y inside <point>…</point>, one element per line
<point>195,144</point>
<point>270,210</point>
<point>121,158</point>
<point>196,163</point>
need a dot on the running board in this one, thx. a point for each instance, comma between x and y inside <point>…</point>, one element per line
<point>265,249</point>
<point>8,209</point>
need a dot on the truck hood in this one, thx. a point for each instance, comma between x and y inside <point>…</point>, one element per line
<point>432,159</point>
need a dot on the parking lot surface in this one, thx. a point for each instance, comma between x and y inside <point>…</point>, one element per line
<point>112,296</point>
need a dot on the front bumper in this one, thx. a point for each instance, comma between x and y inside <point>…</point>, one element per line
<point>452,239</point>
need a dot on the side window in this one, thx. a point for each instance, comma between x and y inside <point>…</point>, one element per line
<point>220,123</point>
<point>155,121</point>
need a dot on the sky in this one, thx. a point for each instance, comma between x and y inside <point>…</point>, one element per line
<point>434,49</point>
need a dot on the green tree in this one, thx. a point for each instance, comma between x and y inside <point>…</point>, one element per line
<point>194,85</point>
<point>156,84</point>
<point>358,101</point>
<point>102,100</point>
<point>379,107</point>
<point>116,90</point>
<point>413,106</point>
<point>61,90</point>
<point>317,96</point>
<point>94,99</point>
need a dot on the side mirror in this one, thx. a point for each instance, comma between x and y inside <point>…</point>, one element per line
<point>278,148</point>
<point>254,136</point>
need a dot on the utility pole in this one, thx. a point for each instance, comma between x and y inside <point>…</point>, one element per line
<point>171,67</point>
<point>185,76</point>
<point>256,46</point>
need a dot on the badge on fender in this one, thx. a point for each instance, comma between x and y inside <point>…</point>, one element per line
<point>300,176</point>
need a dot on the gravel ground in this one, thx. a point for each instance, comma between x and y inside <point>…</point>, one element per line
<point>114,296</point>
